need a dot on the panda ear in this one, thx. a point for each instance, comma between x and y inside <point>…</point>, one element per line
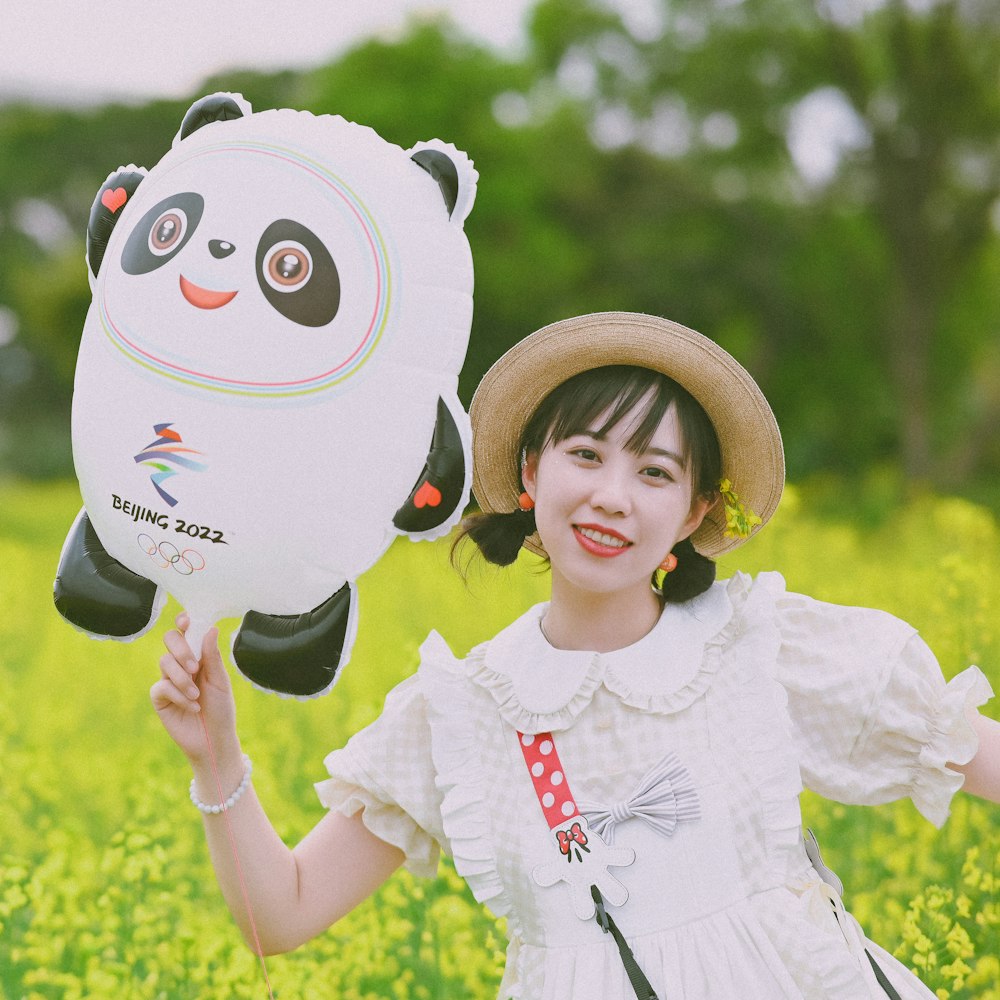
<point>219,107</point>
<point>115,194</point>
<point>454,173</point>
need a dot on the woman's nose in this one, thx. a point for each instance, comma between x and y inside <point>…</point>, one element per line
<point>610,492</point>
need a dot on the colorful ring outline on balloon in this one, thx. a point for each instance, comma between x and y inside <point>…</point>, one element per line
<point>296,387</point>
<point>173,560</point>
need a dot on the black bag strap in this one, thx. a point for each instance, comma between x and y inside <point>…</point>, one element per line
<point>640,984</point>
<point>880,976</point>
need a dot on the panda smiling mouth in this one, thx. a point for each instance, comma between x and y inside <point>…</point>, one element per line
<point>204,298</point>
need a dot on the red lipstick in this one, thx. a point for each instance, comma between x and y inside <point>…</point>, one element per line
<point>597,547</point>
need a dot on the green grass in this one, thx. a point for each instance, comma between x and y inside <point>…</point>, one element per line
<point>105,888</point>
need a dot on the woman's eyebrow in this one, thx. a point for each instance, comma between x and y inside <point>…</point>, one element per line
<point>673,456</point>
<point>586,432</point>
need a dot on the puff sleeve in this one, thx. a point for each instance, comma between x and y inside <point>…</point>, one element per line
<point>871,715</point>
<point>386,770</point>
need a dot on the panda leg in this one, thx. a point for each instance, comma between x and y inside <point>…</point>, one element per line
<point>96,593</point>
<point>297,655</point>
<point>439,491</point>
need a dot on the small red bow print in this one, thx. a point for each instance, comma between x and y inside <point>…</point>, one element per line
<point>575,835</point>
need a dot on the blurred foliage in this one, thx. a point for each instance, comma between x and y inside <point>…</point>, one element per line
<point>106,889</point>
<point>845,284</point>
<point>814,184</point>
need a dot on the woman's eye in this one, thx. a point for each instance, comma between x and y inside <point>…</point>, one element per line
<point>587,454</point>
<point>655,472</point>
<point>287,267</point>
<point>167,231</point>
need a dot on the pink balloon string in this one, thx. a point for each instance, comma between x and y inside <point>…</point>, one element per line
<point>236,857</point>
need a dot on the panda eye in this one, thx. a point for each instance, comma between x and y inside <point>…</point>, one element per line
<point>162,232</point>
<point>167,231</point>
<point>297,274</point>
<point>287,267</point>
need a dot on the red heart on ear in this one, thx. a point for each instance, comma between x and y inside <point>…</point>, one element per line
<point>112,200</point>
<point>427,496</point>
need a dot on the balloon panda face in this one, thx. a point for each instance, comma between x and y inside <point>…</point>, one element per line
<point>268,268</point>
<point>294,270</point>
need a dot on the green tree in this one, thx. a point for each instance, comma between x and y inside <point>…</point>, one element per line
<point>854,280</point>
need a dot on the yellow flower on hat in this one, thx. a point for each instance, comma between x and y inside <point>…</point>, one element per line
<point>740,519</point>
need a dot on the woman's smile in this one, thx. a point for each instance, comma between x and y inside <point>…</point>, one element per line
<point>600,541</point>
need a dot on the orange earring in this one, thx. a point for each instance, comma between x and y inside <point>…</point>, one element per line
<point>669,564</point>
<point>526,503</point>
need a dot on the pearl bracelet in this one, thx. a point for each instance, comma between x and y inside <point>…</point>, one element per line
<point>232,800</point>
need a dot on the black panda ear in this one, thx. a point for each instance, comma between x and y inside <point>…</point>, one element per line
<point>454,173</point>
<point>443,171</point>
<point>220,107</point>
<point>107,209</point>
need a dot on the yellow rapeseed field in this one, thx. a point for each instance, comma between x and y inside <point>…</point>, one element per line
<point>105,887</point>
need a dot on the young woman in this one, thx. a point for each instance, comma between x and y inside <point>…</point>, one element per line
<point>617,772</point>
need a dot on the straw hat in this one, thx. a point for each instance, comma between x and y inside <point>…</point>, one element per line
<point>510,392</point>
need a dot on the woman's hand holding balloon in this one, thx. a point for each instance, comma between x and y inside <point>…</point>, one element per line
<point>188,689</point>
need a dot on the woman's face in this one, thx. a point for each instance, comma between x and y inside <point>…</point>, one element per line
<point>606,515</point>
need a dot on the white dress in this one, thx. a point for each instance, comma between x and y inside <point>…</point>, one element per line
<point>758,693</point>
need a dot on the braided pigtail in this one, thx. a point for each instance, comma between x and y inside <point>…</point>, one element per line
<point>694,574</point>
<point>499,537</point>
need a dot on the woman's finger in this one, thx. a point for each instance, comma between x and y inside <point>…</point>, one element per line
<point>165,693</point>
<point>211,660</point>
<point>177,644</point>
<point>210,647</point>
<point>178,675</point>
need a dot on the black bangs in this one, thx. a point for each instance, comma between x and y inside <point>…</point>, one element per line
<point>614,392</point>
<point>617,392</point>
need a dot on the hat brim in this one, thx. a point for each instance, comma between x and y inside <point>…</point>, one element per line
<point>510,392</point>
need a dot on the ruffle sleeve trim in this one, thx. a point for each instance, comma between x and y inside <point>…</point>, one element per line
<point>352,787</point>
<point>460,772</point>
<point>871,714</point>
<point>951,739</point>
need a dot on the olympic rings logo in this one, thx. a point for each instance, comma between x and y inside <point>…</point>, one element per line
<point>166,554</point>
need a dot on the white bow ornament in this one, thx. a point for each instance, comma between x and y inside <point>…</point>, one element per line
<point>663,797</point>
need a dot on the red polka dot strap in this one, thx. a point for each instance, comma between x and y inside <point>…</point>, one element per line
<point>548,778</point>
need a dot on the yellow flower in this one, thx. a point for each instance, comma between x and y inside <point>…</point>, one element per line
<point>740,519</point>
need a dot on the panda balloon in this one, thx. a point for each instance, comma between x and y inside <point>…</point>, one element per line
<point>265,394</point>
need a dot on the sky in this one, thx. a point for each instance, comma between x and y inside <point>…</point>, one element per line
<point>79,52</point>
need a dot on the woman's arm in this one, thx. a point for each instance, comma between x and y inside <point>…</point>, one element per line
<point>982,773</point>
<point>294,894</point>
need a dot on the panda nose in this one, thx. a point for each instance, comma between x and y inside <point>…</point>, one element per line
<point>220,248</point>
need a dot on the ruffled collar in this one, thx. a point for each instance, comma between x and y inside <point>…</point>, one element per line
<point>539,688</point>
